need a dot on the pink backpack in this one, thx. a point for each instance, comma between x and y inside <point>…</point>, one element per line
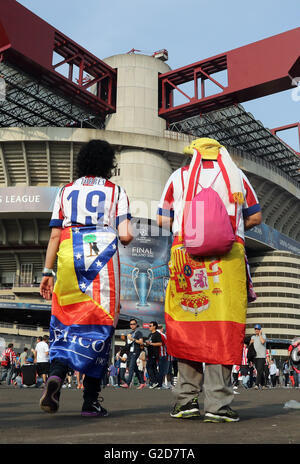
<point>207,228</point>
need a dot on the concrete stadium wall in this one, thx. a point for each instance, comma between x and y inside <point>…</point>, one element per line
<point>276,281</point>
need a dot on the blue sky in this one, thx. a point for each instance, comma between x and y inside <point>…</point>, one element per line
<point>190,30</point>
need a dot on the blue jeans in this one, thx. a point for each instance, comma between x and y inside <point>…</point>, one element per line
<point>39,382</point>
<point>297,379</point>
<point>7,374</point>
<point>163,368</point>
<point>133,368</point>
<point>245,380</point>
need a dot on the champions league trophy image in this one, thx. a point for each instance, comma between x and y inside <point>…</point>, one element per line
<point>142,278</point>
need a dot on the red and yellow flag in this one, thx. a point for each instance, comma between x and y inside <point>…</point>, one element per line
<point>206,304</point>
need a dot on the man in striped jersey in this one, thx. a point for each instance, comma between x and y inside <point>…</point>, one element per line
<point>8,363</point>
<point>206,298</point>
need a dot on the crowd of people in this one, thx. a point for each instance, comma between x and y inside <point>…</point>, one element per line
<point>146,357</point>
<point>26,369</point>
<point>273,375</point>
<point>144,362</point>
<point>259,370</point>
<point>141,361</point>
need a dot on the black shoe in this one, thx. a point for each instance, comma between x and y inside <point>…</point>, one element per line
<point>50,399</point>
<point>187,411</point>
<point>93,409</point>
<point>229,416</point>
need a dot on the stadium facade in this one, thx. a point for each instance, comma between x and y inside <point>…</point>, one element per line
<point>42,127</point>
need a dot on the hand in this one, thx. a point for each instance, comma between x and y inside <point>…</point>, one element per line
<point>130,337</point>
<point>46,287</point>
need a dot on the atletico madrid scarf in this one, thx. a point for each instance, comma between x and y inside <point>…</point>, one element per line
<point>86,302</point>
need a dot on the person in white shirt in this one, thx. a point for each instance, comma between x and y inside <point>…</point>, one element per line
<point>272,371</point>
<point>41,357</point>
<point>122,356</point>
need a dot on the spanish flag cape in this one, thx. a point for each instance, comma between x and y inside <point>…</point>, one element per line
<point>86,299</point>
<point>206,297</point>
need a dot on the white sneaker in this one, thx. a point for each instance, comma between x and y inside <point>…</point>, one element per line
<point>154,385</point>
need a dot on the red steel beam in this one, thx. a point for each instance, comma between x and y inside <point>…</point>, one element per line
<point>29,43</point>
<point>253,71</point>
<point>295,70</point>
<point>286,127</point>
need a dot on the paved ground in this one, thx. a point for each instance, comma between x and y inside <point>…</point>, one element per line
<point>142,417</point>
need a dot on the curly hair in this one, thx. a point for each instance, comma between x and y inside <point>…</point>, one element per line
<point>96,158</point>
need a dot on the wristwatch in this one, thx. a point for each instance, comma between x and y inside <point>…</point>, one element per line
<point>48,272</point>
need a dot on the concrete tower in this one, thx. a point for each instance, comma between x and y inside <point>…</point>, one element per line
<point>142,172</point>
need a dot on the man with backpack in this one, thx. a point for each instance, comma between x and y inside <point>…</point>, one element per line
<point>8,363</point>
<point>207,205</point>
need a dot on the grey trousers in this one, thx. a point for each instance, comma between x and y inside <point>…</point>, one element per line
<point>216,383</point>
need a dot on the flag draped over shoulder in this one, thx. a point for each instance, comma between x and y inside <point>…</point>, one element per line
<point>205,307</point>
<point>86,302</point>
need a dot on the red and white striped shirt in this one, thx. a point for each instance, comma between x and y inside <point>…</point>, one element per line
<point>244,356</point>
<point>170,202</point>
<point>10,354</point>
<point>163,347</point>
<point>90,201</point>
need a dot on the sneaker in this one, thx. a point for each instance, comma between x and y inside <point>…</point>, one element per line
<point>187,411</point>
<point>124,385</point>
<point>235,392</point>
<point>50,399</point>
<point>142,385</point>
<point>165,387</point>
<point>93,409</point>
<point>154,385</point>
<point>229,416</point>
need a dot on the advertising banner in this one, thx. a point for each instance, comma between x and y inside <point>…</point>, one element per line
<point>273,238</point>
<point>144,272</point>
<point>27,199</point>
<point>38,307</point>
